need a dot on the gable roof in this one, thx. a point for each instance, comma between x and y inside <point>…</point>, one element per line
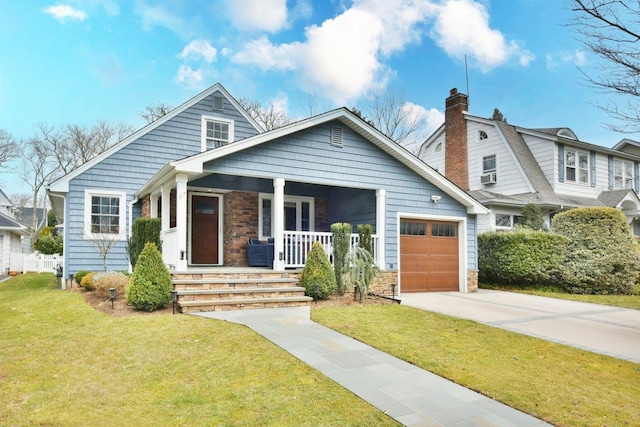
<point>25,216</point>
<point>4,200</point>
<point>194,165</point>
<point>7,223</point>
<point>61,185</point>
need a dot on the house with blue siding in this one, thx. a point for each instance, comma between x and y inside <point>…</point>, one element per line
<point>218,180</point>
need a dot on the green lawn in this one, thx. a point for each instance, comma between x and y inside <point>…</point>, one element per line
<point>64,364</point>
<point>627,301</point>
<point>560,384</point>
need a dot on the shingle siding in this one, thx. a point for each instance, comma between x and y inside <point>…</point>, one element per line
<point>129,168</point>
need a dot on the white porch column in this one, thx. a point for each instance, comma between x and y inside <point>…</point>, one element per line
<point>165,192</point>
<point>381,220</point>
<point>278,223</point>
<point>153,209</point>
<point>181,221</point>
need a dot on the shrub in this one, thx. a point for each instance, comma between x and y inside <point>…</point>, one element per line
<point>144,230</point>
<point>112,279</point>
<point>531,217</point>
<point>341,243</point>
<point>79,276</point>
<point>150,286</point>
<point>49,244</point>
<point>602,256</point>
<point>317,270</point>
<point>521,257</point>
<point>87,281</point>
<point>364,233</point>
<point>360,271</point>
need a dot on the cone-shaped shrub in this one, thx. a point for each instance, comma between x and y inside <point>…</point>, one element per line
<point>150,286</point>
<point>318,271</point>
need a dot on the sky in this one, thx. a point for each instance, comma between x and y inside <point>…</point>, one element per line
<point>81,61</point>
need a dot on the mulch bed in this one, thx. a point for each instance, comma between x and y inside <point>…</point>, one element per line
<point>122,309</point>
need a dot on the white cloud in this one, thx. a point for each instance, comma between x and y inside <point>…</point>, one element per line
<point>258,15</point>
<point>427,121</point>
<point>64,11</point>
<point>462,27</point>
<point>344,57</point>
<point>199,49</point>
<point>189,77</point>
<point>576,57</point>
<point>160,15</point>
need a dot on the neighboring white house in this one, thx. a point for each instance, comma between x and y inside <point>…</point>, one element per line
<point>505,167</point>
<point>11,234</point>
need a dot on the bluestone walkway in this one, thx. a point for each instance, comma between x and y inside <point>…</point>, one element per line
<point>410,395</point>
<point>613,331</point>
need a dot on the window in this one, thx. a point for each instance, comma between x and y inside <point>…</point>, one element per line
<point>216,132</point>
<point>298,214</point>
<point>443,230</point>
<point>622,174</point>
<point>576,166</point>
<point>104,214</point>
<point>489,164</point>
<point>506,220</point>
<point>408,228</point>
<point>482,135</point>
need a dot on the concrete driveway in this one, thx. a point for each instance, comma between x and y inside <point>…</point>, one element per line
<point>598,328</point>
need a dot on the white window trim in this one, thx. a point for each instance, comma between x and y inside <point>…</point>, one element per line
<point>482,170</point>
<point>480,133</point>
<point>512,218</point>
<point>577,152</point>
<point>623,177</point>
<point>88,194</point>
<point>291,199</point>
<point>203,130</point>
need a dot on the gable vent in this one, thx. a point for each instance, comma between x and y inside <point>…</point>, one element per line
<point>336,136</point>
<point>217,103</point>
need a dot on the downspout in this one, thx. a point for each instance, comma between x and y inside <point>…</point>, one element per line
<point>131,203</point>
<point>64,238</point>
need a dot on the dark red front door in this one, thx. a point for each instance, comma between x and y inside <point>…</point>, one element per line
<point>204,230</point>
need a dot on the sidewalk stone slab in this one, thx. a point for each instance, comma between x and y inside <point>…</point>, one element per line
<point>410,395</point>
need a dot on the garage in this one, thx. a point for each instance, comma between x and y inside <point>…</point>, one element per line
<point>429,256</point>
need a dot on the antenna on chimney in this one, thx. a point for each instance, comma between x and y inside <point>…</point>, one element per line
<point>466,73</point>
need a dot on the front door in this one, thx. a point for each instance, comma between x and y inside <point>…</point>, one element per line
<point>205,224</point>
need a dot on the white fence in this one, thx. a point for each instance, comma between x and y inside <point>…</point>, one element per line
<point>40,263</point>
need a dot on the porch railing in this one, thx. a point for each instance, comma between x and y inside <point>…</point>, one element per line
<point>298,243</point>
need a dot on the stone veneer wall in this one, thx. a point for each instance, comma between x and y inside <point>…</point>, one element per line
<point>381,284</point>
<point>240,225</point>
<point>146,206</point>
<point>472,280</point>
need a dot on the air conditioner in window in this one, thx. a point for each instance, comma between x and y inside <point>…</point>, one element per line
<point>490,178</point>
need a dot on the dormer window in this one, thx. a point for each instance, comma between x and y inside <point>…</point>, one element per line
<point>576,166</point>
<point>216,132</point>
<point>482,135</point>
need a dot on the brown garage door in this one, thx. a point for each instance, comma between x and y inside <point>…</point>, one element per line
<point>428,256</point>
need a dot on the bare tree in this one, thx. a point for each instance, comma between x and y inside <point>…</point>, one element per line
<point>9,148</point>
<point>102,239</point>
<point>38,166</point>
<point>269,116</point>
<point>400,120</point>
<point>610,29</point>
<point>152,113</point>
<point>74,145</point>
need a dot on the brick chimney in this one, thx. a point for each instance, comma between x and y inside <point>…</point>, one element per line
<point>456,164</point>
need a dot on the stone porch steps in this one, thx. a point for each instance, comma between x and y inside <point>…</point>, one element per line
<point>237,291</point>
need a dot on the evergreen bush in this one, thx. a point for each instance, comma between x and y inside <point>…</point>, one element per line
<point>341,243</point>
<point>144,230</point>
<point>49,244</point>
<point>317,271</point>
<point>360,271</point>
<point>602,256</point>
<point>112,279</point>
<point>364,233</point>
<point>150,286</point>
<point>532,217</point>
<point>79,276</point>
<point>521,257</point>
<point>87,281</point>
